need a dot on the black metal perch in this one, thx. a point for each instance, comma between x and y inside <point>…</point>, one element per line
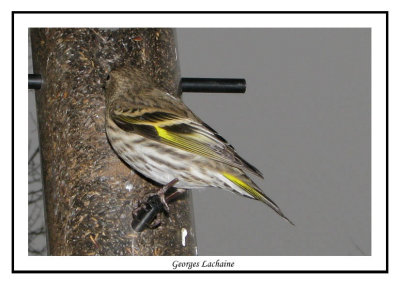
<point>188,84</point>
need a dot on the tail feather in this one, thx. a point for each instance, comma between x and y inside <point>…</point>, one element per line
<point>252,190</point>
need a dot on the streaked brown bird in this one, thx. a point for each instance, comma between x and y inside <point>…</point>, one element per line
<point>160,137</point>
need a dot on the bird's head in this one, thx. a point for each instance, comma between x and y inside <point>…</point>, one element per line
<point>126,81</point>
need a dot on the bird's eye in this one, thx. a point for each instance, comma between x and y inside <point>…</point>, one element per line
<point>108,77</point>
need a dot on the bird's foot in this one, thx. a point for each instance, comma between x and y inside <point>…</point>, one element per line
<point>163,190</point>
<point>146,215</point>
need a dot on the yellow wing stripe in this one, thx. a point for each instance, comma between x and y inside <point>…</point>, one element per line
<point>251,190</point>
<point>187,144</point>
<point>164,134</point>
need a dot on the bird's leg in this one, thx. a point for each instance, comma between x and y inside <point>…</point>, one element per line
<point>165,188</point>
<point>147,215</point>
<point>175,194</point>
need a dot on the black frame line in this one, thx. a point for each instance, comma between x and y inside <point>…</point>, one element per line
<point>386,270</point>
<point>200,12</point>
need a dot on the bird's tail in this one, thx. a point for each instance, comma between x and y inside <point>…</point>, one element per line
<point>250,189</point>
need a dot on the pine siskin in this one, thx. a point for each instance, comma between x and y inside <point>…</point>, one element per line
<point>160,137</point>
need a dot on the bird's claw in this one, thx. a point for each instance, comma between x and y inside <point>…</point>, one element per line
<point>163,190</point>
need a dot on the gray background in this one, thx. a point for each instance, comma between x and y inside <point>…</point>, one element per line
<point>304,122</point>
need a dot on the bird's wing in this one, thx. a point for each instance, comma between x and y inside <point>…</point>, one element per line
<point>181,132</point>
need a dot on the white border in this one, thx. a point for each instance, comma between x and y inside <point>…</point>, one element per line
<point>374,21</point>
